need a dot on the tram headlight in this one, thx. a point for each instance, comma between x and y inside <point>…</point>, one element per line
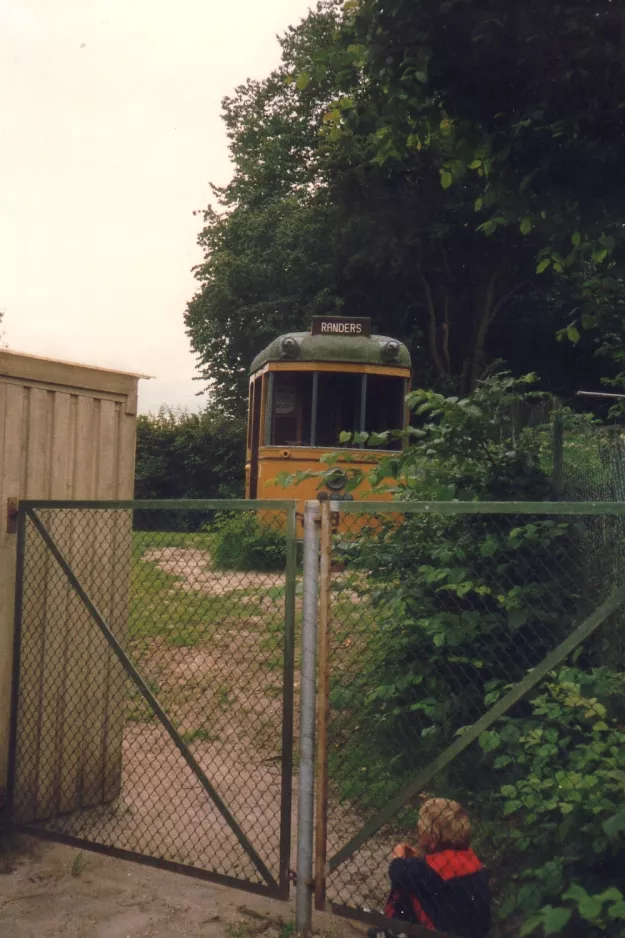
<point>390,350</point>
<point>336,480</point>
<point>289,347</point>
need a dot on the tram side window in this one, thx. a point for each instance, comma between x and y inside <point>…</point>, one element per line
<point>292,409</point>
<point>385,406</point>
<point>338,406</point>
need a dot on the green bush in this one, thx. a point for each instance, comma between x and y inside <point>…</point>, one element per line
<point>245,541</point>
<point>457,602</point>
<point>454,609</point>
<point>183,455</point>
<point>564,796</point>
<point>458,605</point>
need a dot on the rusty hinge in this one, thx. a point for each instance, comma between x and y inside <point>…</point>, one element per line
<point>12,511</point>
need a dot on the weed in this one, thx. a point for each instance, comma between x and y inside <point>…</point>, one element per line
<point>79,863</point>
<point>223,696</point>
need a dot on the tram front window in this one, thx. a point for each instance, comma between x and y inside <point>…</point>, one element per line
<point>340,398</point>
<point>292,409</point>
<point>338,406</point>
<point>385,406</point>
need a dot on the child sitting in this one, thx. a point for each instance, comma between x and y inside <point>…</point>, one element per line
<point>440,885</point>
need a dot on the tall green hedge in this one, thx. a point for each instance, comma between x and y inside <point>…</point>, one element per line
<point>184,455</point>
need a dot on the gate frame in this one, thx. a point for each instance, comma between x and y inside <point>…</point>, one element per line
<point>324,866</point>
<point>27,509</point>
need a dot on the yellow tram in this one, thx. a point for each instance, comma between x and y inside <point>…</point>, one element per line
<point>308,387</point>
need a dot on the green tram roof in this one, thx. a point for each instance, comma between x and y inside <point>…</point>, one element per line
<point>362,350</point>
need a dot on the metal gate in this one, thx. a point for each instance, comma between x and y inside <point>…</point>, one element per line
<point>153,692</point>
<point>470,657</point>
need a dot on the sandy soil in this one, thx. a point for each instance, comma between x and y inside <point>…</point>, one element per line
<point>52,891</point>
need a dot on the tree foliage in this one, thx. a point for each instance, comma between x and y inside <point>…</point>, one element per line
<point>183,455</point>
<point>451,169</point>
<point>270,244</point>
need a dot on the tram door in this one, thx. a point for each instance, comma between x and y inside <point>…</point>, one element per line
<point>254,431</point>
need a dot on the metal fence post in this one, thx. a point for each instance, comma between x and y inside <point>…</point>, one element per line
<point>323,691</point>
<point>306,799</point>
<point>558,455</point>
<point>9,808</point>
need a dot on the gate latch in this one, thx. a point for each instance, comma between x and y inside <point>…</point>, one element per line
<point>12,511</point>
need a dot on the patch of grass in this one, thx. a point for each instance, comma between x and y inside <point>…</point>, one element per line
<point>157,540</point>
<point>137,708</point>
<point>275,592</point>
<point>159,607</point>
<point>185,637</point>
<point>190,736</point>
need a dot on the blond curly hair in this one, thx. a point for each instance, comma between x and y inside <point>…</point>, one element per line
<point>445,823</point>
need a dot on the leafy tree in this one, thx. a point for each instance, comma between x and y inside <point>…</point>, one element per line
<point>270,245</point>
<point>451,169</point>
<point>514,111</point>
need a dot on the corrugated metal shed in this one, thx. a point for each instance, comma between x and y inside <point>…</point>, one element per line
<point>67,431</point>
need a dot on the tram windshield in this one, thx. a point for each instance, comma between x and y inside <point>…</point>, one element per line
<point>312,409</point>
<point>291,421</point>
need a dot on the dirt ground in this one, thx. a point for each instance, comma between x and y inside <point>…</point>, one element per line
<point>53,891</point>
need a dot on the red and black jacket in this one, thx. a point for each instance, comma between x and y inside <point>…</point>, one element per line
<point>446,891</point>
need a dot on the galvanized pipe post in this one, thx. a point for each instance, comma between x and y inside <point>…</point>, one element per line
<point>306,794</point>
<point>323,693</point>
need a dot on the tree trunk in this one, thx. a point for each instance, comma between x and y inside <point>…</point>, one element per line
<point>473,361</point>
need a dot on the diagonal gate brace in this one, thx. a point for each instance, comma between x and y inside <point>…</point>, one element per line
<point>151,699</point>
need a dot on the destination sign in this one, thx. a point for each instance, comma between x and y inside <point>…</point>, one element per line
<point>341,325</point>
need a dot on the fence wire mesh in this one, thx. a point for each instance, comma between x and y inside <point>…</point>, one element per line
<point>198,770</point>
<point>435,617</point>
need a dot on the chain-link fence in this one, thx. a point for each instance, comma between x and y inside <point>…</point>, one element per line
<point>476,704</point>
<point>589,464</point>
<point>476,714</point>
<point>154,700</point>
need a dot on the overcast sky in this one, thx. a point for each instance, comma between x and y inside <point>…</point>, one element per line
<point>110,133</point>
